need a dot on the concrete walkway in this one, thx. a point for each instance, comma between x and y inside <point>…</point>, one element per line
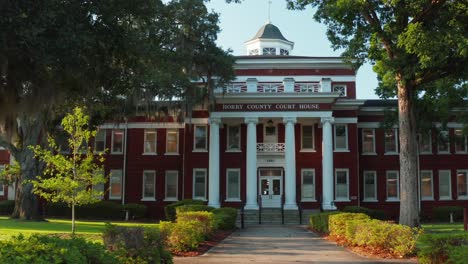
<point>278,244</point>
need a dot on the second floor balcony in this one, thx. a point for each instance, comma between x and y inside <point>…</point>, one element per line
<point>270,148</point>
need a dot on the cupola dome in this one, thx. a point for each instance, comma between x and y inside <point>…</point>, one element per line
<point>269,41</point>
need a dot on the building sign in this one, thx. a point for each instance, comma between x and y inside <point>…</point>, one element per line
<point>271,107</point>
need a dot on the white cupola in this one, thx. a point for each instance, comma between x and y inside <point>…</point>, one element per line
<point>269,42</point>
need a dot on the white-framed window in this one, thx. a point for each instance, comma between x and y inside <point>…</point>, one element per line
<point>149,185</point>
<point>199,184</point>
<point>460,141</point>
<point>2,187</point>
<point>171,188</point>
<point>269,51</point>
<point>443,142</point>
<point>172,141</point>
<point>445,185</point>
<point>339,88</point>
<point>100,141</point>
<point>233,185</point>
<point>341,137</point>
<point>368,141</point>
<point>284,52</point>
<point>117,141</point>
<point>462,184</point>
<point>307,137</point>
<point>393,186</point>
<point>370,186</point>
<point>391,141</point>
<point>115,185</point>
<point>308,184</point>
<point>200,138</point>
<point>233,138</point>
<point>425,143</point>
<point>150,141</point>
<point>427,189</point>
<point>342,184</point>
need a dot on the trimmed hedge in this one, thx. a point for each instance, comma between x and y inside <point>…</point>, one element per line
<point>7,207</point>
<point>100,210</point>
<point>442,213</point>
<point>337,222</point>
<point>206,218</point>
<point>225,218</point>
<point>443,248</point>
<point>170,209</point>
<point>373,213</point>
<point>136,211</point>
<point>193,208</point>
<point>319,222</point>
<point>42,249</point>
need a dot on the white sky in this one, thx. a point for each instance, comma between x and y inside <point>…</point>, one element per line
<point>240,22</point>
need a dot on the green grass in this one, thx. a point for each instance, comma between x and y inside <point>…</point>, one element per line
<point>91,230</point>
<point>443,228</point>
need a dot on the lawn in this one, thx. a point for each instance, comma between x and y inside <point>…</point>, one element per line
<point>443,228</point>
<point>91,230</point>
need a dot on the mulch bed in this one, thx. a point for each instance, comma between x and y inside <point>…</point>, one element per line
<point>214,240</point>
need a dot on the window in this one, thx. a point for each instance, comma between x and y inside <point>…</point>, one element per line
<point>100,141</point>
<point>426,185</point>
<point>341,137</point>
<point>425,142</point>
<point>100,186</point>
<point>269,51</point>
<point>462,187</point>
<point>308,184</point>
<point>445,186</point>
<point>200,138</point>
<point>172,178</point>
<point>172,142</point>
<point>2,187</point>
<point>391,141</point>
<point>149,184</point>
<point>199,184</point>
<point>443,142</point>
<point>368,141</point>
<point>150,141</point>
<point>370,186</point>
<point>460,141</point>
<point>307,140</point>
<point>115,185</point>
<point>233,185</point>
<point>233,141</point>
<point>341,184</point>
<point>284,52</point>
<point>117,141</point>
<point>253,52</point>
<point>393,188</point>
<point>340,88</point>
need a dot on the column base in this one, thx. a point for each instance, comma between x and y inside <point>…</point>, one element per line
<point>328,207</point>
<point>215,205</point>
<point>251,207</point>
<point>290,206</point>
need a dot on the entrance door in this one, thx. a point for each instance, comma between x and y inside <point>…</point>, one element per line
<point>271,187</point>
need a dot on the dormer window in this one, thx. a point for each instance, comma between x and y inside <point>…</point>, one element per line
<point>253,52</point>
<point>284,52</point>
<point>269,51</point>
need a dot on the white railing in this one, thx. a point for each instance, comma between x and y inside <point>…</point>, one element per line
<point>309,87</point>
<point>234,88</point>
<point>270,147</point>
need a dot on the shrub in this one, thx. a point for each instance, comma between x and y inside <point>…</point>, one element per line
<point>337,222</point>
<point>136,211</point>
<point>442,213</point>
<point>49,249</point>
<point>100,210</point>
<point>319,222</point>
<point>193,208</point>
<point>225,218</point>
<point>136,244</point>
<point>7,207</point>
<point>373,213</point>
<point>205,218</point>
<point>436,248</point>
<point>170,209</point>
<point>165,229</point>
<point>458,255</point>
<point>185,235</point>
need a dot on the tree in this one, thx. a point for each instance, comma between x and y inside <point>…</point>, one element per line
<point>112,56</point>
<point>70,178</point>
<point>413,44</point>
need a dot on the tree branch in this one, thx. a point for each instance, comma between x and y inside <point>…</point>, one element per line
<point>429,10</point>
<point>374,21</point>
<point>433,74</point>
<point>6,144</point>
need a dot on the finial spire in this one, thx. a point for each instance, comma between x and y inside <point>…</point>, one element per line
<point>269,12</point>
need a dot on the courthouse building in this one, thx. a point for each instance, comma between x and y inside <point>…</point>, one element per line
<point>287,132</point>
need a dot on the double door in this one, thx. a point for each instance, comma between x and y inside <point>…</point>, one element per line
<point>271,187</point>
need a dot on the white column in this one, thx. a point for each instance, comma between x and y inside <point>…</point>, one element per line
<point>290,164</point>
<point>327,164</point>
<point>213,187</point>
<point>251,169</point>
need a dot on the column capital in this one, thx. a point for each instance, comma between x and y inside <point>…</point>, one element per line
<point>214,120</point>
<point>289,120</point>
<point>253,120</point>
<point>330,120</point>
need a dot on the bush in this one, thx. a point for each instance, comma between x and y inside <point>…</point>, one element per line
<point>100,210</point>
<point>337,222</point>
<point>438,247</point>
<point>225,218</point>
<point>136,244</point>
<point>42,249</point>
<point>319,222</point>
<point>373,213</point>
<point>136,211</point>
<point>7,207</point>
<point>170,209</point>
<point>458,255</point>
<point>186,235</point>
<point>205,218</point>
<point>193,208</point>
<point>442,213</point>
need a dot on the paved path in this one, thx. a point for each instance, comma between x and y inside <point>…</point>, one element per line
<point>278,244</point>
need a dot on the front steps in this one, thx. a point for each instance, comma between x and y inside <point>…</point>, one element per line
<point>273,216</point>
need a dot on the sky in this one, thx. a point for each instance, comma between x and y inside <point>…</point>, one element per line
<point>240,22</point>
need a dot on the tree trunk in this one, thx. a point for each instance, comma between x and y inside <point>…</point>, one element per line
<point>73,219</point>
<point>409,213</point>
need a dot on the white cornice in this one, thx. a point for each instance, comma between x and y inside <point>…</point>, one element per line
<point>277,98</point>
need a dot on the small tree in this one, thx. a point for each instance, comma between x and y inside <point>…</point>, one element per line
<point>69,177</point>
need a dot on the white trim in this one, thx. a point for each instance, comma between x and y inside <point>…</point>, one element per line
<point>302,138</point>
<point>144,178</point>
<point>342,199</point>
<point>155,152</point>
<point>204,149</point>
<point>393,152</point>
<point>271,114</point>
<point>112,141</point>
<point>198,121</point>
<point>166,174</point>
<point>368,125</point>
<point>227,184</point>
<point>346,148</point>
<point>369,199</point>
<point>346,120</point>
<point>144,125</point>
<point>392,199</point>
<point>228,149</point>
<point>427,198</point>
<point>463,197</point>
<point>177,139</point>
<point>105,136</point>
<point>308,199</point>
<point>449,197</point>
<point>373,152</point>
<point>195,170</point>
<point>112,172</point>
